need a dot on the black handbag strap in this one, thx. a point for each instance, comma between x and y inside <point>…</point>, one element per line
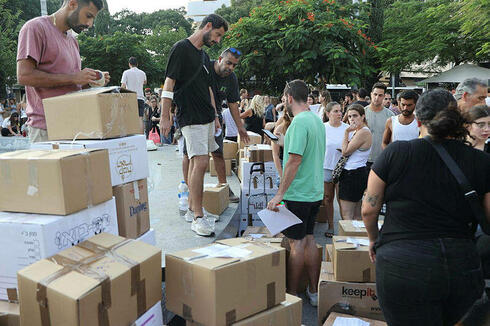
<point>469,192</point>
<point>189,81</point>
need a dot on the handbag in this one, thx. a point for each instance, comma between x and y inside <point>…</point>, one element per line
<point>339,167</point>
<point>470,194</point>
<point>154,136</point>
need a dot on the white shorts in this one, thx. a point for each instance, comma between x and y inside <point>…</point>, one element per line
<point>37,135</point>
<point>199,139</point>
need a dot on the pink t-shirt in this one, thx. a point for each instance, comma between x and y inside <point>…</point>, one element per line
<point>54,52</point>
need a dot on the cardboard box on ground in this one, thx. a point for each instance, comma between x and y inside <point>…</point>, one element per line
<point>212,168</point>
<point>133,211</point>
<point>334,315</point>
<point>351,262</point>
<point>128,158</point>
<point>354,228</point>
<point>216,198</point>
<point>31,237</point>
<point>258,153</point>
<point>287,313</point>
<point>54,182</point>
<point>262,234</point>
<point>253,139</point>
<point>100,113</point>
<point>230,150</point>
<point>9,314</point>
<point>221,291</point>
<point>118,280</point>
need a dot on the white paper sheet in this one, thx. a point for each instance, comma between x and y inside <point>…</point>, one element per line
<point>358,242</point>
<point>345,321</point>
<point>222,251</point>
<point>276,222</point>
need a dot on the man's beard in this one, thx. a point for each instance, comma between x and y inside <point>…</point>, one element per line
<point>406,113</point>
<point>289,109</point>
<point>206,39</point>
<point>73,22</point>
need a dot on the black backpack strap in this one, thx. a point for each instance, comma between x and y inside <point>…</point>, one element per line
<point>189,81</point>
<point>470,194</point>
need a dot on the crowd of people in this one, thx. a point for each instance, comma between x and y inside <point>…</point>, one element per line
<point>367,149</point>
<point>13,117</point>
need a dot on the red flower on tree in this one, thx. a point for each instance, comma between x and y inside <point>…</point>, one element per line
<point>311,16</point>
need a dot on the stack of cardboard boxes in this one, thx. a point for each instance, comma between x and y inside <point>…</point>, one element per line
<point>348,277</point>
<point>61,194</point>
<point>231,282</point>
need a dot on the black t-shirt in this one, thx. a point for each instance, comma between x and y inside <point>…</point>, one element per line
<point>194,101</point>
<point>363,103</point>
<point>224,88</point>
<point>423,199</point>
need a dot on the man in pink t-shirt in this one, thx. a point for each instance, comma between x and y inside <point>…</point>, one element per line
<point>48,59</point>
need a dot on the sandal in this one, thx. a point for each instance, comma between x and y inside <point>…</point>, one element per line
<point>329,234</point>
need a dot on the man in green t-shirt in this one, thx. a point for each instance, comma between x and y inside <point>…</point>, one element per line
<point>302,186</point>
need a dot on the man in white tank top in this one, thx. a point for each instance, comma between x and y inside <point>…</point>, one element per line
<point>403,126</point>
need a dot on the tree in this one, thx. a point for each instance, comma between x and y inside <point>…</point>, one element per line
<point>318,41</point>
<point>161,41</point>
<point>8,46</point>
<point>474,23</point>
<point>238,9</point>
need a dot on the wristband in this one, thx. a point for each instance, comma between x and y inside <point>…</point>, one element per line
<point>167,94</point>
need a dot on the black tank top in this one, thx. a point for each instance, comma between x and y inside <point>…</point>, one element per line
<point>254,124</point>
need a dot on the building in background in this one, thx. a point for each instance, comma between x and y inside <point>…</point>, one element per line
<point>198,9</point>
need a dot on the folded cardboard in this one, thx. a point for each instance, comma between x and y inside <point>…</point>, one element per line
<point>359,297</point>
<point>287,313</point>
<point>212,168</point>
<point>354,228</point>
<point>127,156</point>
<point>351,261</point>
<point>351,319</point>
<point>9,314</point>
<point>258,153</point>
<point>54,182</point>
<point>304,280</point>
<point>149,237</point>
<point>153,317</point>
<point>205,287</point>
<point>253,139</point>
<point>106,280</point>
<point>216,198</point>
<point>100,113</point>
<point>230,149</point>
<point>31,237</point>
<point>133,211</point>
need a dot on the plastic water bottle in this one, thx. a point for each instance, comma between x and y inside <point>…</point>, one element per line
<point>183,204</point>
<point>183,189</point>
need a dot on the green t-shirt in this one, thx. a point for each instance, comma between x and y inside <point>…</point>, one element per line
<point>306,137</point>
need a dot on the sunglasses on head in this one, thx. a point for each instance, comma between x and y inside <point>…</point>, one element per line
<point>234,51</point>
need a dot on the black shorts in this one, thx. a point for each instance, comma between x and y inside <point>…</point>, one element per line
<point>353,183</point>
<point>305,211</point>
<point>141,107</point>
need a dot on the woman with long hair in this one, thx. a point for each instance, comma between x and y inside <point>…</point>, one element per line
<point>428,271</point>
<point>254,115</point>
<point>278,146</point>
<point>324,99</point>
<point>478,118</point>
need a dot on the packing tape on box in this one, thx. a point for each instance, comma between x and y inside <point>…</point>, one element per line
<point>271,295</point>
<point>88,178</point>
<point>230,317</point>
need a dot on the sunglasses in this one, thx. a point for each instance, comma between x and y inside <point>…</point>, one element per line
<point>234,51</point>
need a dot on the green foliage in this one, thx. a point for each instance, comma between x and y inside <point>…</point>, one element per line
<point>8,46</point>
<point>160,43</point>
<point>473,17</point>
<point>238,9</point>
<point>318,41</point>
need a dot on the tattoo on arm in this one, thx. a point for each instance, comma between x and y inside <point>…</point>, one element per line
<point>371,199</point>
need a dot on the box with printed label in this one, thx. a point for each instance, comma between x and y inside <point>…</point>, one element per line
<point>106,280</point>
<point>153,317</point>
<point>253,139</point>
<point>303,282</point>
<point>31,237</point>
<point>149,237</point>
<point>133,211</point>
<point>225,282</point>
<point>212,168</point>
<point>349,319</point>
<point>351,260</point>
<point>216,198</point>
<point>128,158</point>
<point>252,204</point>
<point>354,228</point>
<point>54,182</point>
<point>361,297</point>
<point>258,153</point>
<point>98,113</point>
<point>9,314</point>
<point>230,149</point>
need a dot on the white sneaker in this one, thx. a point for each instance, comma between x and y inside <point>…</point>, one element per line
<point>210,216</point>
<point>202,227</point>
<point>313,297</point>
<point>189,216</point>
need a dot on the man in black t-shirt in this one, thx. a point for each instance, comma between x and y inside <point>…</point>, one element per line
<point>188,82</point>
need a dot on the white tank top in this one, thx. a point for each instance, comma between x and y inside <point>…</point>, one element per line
<point>403,132</point>
<point>359,158</point>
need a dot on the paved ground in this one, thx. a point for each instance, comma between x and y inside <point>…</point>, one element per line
<point>173,233</point>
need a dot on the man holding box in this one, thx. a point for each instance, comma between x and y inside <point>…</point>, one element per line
<point>302,186</point>
<point>48,59</point>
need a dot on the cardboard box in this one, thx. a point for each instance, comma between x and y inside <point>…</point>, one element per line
<point>98,113</point>
<point>303,282</point>
<point>354,228</point>
<point>153,317</point>
<point>252,180</point>
<point>54,182</point>
<point>351,262</point>
<point>9,314</point>
<point>334,315</point>
<point>31,237</point>
<point>254,139</point>
<point>216,198</point>
<point>128,158</point>
<point>258,153</point>
<point>230,149</point>
<point>212,169</point>
<point>262,234</point>
<point>115,279</point>
<point>221,291</point>
<point>247,220</point>
<point>287,313</point>
<point>361,297</point>
<point>328,252</point>
<point>149,237</point>
<point>133,211</point>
